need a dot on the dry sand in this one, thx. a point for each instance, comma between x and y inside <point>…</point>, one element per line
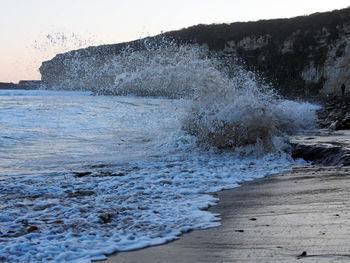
<point>274,219</point>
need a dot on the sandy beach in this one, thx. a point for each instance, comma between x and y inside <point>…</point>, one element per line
<point>299,216</point>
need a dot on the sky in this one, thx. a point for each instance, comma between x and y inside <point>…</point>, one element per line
<point>33,31</point>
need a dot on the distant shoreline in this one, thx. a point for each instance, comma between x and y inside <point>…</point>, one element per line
<point>22,85</point>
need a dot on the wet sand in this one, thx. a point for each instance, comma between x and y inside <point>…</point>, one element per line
<point>274,219</point>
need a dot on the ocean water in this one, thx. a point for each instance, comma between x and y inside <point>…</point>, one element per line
<point>83,176</point>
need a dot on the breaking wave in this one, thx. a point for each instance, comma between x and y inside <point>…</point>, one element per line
<point>242,111</point>
<point>231,107</point>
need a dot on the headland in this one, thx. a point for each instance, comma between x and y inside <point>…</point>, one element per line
<point>22,85</point>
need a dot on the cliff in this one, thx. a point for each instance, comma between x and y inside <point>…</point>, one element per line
<point>23,85</point>
<point>7,85</point>
<point>305,55</point>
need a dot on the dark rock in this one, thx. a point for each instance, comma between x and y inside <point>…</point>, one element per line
<point>321,154</point>
<point>335,113</point>
<point>304,254</point>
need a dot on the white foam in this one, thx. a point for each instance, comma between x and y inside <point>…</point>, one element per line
<point>242,112</point>
<point>119,208</point>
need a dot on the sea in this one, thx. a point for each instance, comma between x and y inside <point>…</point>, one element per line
<point>90,168</point>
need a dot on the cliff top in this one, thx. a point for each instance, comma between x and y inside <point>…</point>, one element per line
<point>217,35</point>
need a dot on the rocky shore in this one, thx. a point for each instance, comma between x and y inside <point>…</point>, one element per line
<point>330,146</point>
<point>335,113</point>
<point>327,148</point>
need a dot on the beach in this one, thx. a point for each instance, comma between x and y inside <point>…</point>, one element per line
<point>301,215</point>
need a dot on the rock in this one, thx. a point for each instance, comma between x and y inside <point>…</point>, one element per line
<point>334,114</point>
<point>304,254</point>
<point>321,154</point>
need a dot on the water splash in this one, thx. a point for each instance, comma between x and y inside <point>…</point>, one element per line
<point>55,42</point>
<point>241,110</point>
<point>162,69</point>
<point>231,108</point>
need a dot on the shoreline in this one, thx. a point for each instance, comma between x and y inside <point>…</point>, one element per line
<point>273,219</point>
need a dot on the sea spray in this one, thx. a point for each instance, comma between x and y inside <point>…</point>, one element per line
<point>231,107</point>
<point>242,110</point>
<point>159,69</point>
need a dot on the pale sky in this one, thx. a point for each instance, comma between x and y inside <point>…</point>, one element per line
<point>35,30</point>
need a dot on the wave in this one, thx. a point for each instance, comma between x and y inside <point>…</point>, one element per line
<point>231,107</point>
<point>241,111</point>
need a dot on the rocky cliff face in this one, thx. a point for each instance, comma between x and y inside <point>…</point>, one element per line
<point>323,72</point>
<point>336,69</point>
<point>305,55</point>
